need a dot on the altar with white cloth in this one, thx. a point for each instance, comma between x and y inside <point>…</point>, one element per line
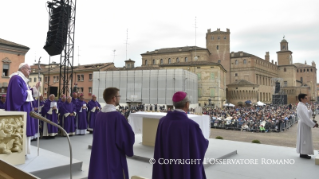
<point>146,123</point>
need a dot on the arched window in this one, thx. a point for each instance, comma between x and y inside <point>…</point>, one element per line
<point>217,47</point>
<point>161,61</point>
<point>185,59</point>
<point>169,61</point>
<point>285,70</point>
<point>311,69</point>
<point>236,62</point>
<point>236,74</point>
<point>153,61</point>
<point>297,71</point>
<point>245,61</point>
<point>304,70</point>
<point>307,70</point>
<point>145,62</point>
<point>177,59</point>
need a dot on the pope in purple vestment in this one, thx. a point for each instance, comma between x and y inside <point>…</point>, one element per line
<point>113,139</point>
<point>50,111</point>
<point>68,116</point>
<point>179,138</point>
<point>93,108</point>
<point>81,122</point>
<point>19,97</point>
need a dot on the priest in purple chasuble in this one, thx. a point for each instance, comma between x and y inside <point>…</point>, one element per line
<point>93,109</point>
<point>2,101</point>
<point>81,122</point>
<point>60,105</point>
<point>180,138</point>
<point>113,140</point>
<point>36,108</point>
<point>68,113</point>
<point>74,98</point>
<point>50,111</point>
<point>20,96</point>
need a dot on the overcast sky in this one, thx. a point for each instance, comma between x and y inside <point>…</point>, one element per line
<point>101,27</point>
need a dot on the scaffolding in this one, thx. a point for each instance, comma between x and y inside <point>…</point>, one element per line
<point>279,98</point>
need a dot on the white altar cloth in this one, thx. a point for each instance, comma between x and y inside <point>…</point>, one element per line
<point>136,121</point>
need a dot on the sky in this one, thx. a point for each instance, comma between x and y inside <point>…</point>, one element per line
<point>134,27</point>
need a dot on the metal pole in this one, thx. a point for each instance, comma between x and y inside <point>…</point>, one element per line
<point>39,69</point>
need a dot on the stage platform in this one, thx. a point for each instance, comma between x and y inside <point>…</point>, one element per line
<point>302,168</point>
<point>51,165</point>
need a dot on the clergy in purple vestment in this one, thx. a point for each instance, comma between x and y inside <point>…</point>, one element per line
<point>2,101</point>
<point>68,113</point>
<point>179,138</point>
<point>19,97</point>
<point>113,140</point>
<point>60,105</point>
<point>75,98</point>
<point>35,105</point>
<point>50,111</point>
<point>93,108</point>
<point>81,122</point>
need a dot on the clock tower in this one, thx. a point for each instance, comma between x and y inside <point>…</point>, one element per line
<point>284,56</point>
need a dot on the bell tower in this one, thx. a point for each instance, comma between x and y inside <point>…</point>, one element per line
<point>284,56</point>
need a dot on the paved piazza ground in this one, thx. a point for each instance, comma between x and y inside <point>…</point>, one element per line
<point>286,138</point>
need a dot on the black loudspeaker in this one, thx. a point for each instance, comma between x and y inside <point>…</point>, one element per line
<point>58,29</point>
<point>277,87</point>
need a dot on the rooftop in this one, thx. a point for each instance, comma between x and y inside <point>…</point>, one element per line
<point>174,50</point>
<point>12,44</point>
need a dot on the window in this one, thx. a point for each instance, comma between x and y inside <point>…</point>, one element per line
<point>45,90</point>
<point>54,79</point>
<point>153,61</point>
<point>236,62</point>
<point>285,83</point>
<point>304,70</point>
<point>46,79</point>
<point>40,79</point>
<point>90,89</point>
<point>199,76</point>
<point>297,70</point>
<point>212,37</point>
<point>145,62</point>
<point>79,90</point>
<point>218,38</point>
<point>128,65</point>
<point>311,69</point>
<point>245,61</point>
<point>34,79</point>
<point>236,74</point>
<point>169,61</point>
<point>30,79</point>
<point>225,37</point>
<point>161,61</point>
<point>177,59</point>
<point>285,70</point>
<point>5,70</point>
<point>307,70</point>
<point>185,59</point>
<point>217,47</point>
<point>80,77</point>
<point>218,61</point>
<point>90,77</point>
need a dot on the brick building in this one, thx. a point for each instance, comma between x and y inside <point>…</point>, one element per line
<point>11,55</point>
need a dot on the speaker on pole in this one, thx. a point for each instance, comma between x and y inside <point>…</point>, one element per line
<point>58,27</point>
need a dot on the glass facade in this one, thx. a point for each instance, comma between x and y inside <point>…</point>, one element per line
<point>147,86</point>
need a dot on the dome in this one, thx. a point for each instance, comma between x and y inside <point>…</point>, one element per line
<point>284,40</point>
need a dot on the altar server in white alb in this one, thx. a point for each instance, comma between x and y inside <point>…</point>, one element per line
<point>304,136</point>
